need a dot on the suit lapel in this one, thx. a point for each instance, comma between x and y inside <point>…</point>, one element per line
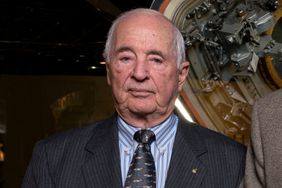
<point>102,166</point>
<point>186,168</point>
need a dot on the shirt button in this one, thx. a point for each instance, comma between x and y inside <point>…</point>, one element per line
<point>127,151</point>
<point>162,151</point>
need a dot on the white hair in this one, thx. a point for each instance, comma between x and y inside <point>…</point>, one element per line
<point>178,42</point>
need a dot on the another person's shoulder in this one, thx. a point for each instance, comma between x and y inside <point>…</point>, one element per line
<point>271,98</point>
<point>269,104</point>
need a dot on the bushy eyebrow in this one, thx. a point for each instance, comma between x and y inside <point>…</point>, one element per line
<point>155,52</point>
<point>123,49</point>
<point>150,52</point>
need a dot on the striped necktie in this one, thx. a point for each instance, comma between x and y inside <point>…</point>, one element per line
<point>142,172</point>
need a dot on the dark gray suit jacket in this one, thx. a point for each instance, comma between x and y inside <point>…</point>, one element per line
<point>89,157</point>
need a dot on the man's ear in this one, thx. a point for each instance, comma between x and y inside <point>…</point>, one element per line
<point>108,74</point>
<point>183,72</point>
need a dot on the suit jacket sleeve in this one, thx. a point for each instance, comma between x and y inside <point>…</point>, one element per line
<point>254,172</point>
<point>37,174</point>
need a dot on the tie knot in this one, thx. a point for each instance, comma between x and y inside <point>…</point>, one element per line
<point>144,136</point>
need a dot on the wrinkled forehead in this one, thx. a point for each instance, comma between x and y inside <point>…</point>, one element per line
<point>153,25</point>
<point>147,17</point>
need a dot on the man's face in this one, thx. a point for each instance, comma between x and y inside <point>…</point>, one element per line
<point>143,73</point>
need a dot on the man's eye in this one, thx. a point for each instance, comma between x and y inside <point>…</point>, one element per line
<point>157,60</point>
<point>124,59</point>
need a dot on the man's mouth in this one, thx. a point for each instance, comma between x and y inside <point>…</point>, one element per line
<point>141,93</point>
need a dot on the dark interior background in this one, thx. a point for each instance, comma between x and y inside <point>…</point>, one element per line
<point>47,81</point>
<point>56,37</point>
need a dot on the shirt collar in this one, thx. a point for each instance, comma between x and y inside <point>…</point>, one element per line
<point>167,127</point>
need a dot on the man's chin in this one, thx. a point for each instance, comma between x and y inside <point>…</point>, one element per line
<point>142,108</point>
<point>142,111</point>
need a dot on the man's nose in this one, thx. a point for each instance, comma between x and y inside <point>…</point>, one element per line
<point>140,70</point>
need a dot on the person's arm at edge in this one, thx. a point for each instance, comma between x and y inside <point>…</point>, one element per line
<point>254,172</point>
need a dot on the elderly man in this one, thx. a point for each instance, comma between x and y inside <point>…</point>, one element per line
<point>144,144</point>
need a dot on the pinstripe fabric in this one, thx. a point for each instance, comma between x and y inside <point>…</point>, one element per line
<point>206,159</point>
<point>86,157</point>
<point>89,158</point>
<point>161,149</point>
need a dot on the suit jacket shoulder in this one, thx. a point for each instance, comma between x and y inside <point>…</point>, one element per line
<point>205,158</point>
<point>76,136</point>
<point>217,140</point>
<point>82,157</point>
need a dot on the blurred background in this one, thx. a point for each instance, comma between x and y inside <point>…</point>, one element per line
<point>52,72</point>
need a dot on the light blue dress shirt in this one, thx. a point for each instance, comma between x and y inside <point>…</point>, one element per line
<point>161,149</point>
